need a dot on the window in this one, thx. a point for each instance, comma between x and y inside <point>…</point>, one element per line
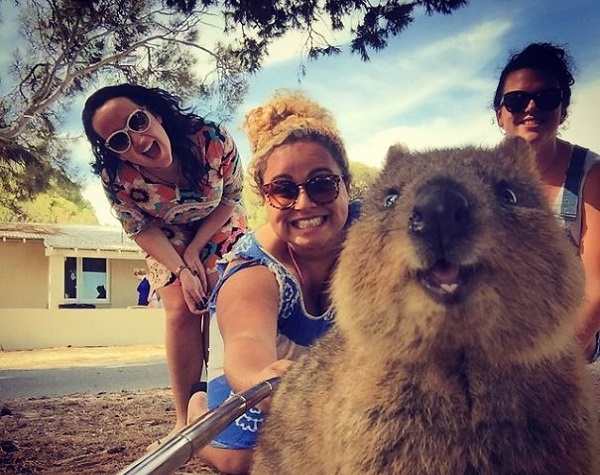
<point>85,279</point>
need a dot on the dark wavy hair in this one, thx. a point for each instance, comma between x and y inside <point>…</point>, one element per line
<point>179,123</point>
<point>545,57</point>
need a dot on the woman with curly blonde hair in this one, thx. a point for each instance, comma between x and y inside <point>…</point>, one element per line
<point>271,301</point>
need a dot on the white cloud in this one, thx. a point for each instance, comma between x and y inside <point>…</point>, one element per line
<point>294,45</point>
<point>94,193</point>
<point>422,77</point>
<point>426,98</point>
<point>476,128</point>
<point>441,133</point>
<point>9,34</point>
<point>92,190</point>
<point>582,123</point>
<point>289,47</point>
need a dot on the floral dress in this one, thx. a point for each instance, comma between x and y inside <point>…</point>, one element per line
<point>140,203</point>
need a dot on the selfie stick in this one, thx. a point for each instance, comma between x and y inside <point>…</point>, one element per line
<point>181,447</point>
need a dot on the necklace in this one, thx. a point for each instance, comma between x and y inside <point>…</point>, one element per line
<point>298,271</point>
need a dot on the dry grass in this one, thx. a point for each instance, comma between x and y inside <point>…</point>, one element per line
<point>99,434</point>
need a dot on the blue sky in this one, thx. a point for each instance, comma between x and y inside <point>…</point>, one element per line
<point>432,87</point>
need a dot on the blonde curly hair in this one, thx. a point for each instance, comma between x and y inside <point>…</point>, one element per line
<point>288,117</point>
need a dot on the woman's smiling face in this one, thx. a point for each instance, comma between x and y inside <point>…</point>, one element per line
<point>535,125</point>
<point>306,224</point>
<point>151,148</point>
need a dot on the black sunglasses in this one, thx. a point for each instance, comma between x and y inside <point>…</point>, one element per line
<point>546,100</point>
<point>120,140</point>
<point>321,189</point>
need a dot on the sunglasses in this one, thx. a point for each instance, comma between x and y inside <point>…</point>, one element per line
<point>120,141</point>
<point>546,100</point>
<point>321,189</point>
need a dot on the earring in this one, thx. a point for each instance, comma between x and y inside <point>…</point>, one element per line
<point>496,119</point>
<point>501,126</point>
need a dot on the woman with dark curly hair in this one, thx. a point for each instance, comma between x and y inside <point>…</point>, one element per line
<point>174,181</point>
<point>531,101</point>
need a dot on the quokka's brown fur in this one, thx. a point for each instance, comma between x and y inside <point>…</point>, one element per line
<point>453,350</point>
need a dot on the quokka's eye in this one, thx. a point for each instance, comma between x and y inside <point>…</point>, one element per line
<point>506,194</point>
<point>391,198</point>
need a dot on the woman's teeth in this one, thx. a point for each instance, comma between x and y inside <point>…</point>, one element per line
<point>309,223</point>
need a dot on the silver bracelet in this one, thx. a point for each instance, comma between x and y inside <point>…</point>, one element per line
<point>180,269</point>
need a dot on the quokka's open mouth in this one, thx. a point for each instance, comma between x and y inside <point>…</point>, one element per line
<point>445,281</point>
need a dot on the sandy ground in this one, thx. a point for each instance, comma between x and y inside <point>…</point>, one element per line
<point>83,433</point>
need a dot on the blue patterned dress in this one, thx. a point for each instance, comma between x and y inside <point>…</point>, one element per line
<point>296,330</point>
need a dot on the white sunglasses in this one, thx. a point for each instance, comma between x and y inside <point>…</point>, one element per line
<point>120,140</point>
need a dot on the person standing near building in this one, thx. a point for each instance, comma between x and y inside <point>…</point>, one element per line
<point>143,288</point>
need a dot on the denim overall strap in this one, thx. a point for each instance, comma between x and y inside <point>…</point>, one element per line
<point>570,202</point>
<point>570,199</point>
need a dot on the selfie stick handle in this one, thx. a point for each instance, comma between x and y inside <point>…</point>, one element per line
<point>181,447</point>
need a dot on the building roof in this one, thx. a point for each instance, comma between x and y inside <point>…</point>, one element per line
<point>70,236</point>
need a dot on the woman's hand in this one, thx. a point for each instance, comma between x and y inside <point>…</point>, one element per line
<point>191,257</point>
<point>193,291</point>
<point>275,370</point>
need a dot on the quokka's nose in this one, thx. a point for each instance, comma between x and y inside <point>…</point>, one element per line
<point>440,216</point>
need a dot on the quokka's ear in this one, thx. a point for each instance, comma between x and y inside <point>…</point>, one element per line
<point>518,151</point>
<point>396,152</point>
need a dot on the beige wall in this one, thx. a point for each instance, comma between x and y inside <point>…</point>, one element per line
<point>25,329</point>
<point>23,275</point>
